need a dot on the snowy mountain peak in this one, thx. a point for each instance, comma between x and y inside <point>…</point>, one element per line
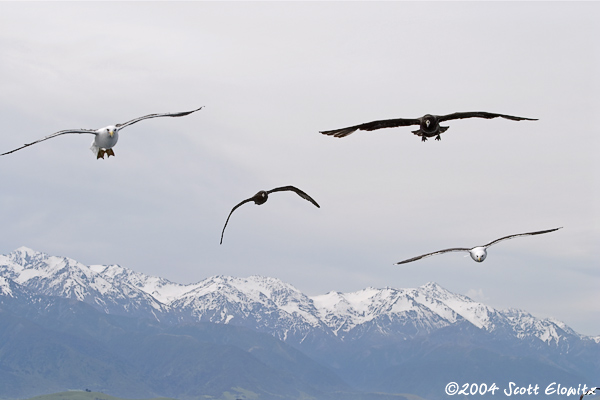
<point>344,312</point>
<point>453,306</point>
<point>26,251</point>
<point>24,256</point>
<point>433,286</point>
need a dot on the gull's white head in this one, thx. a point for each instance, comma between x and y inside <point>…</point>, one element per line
<point>111,130</point>
<point>478,253</point>
<point>108,131</point>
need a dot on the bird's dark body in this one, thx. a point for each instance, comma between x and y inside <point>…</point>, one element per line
<point>260,197</point>
<point>429,125</point>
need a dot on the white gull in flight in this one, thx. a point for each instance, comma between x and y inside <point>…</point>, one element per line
<point>105,138</point>
<point>478,253</point>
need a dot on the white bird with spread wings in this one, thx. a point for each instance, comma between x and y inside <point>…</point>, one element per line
<point>478,253</point>
<point>105,138</point>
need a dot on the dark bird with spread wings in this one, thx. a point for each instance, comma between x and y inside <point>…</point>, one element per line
<point>478,253</point>
<point>105,138</point>
<point>262,197</point>
<point>429,125</point>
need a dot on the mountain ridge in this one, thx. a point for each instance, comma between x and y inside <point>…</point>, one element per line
<point>268,304</point>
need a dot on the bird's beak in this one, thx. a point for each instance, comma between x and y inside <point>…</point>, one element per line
<point>111,132</point>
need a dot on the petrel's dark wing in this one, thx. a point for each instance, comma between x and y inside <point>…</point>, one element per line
<point>92,131</point>
<point>520,234</point>
<point>371,126</point>
<point>432,254</point>
<point>232,210</point>
<point>591,391</point>
<point>177,114</point>
<point>294,189</point>
<point>480,114</point>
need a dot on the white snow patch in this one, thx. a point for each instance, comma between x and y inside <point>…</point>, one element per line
<point>5,287</point>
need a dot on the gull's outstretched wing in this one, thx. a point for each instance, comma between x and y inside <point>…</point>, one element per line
<point>371,126</point>
<point>480,114</point>
<point>520,234</point>
<point>432,254</point>
<point>232,210</point>
<point>177,114</point>
<point>294,189</point>
<point>92,131</point>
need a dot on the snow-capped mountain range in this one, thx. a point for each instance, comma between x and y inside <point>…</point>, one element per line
<point>384,340</point>
<point>268,304</point>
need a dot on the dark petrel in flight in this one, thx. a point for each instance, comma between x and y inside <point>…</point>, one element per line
<point>429,125</point>
<point>262,197</point>
<point>105,138</point>
<point>478,253</point>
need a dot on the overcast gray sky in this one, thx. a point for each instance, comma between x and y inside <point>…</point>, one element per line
<point>271,76</point>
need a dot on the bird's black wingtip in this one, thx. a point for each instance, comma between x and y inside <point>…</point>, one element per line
<point>338,133</point>
<point>524,119</point>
